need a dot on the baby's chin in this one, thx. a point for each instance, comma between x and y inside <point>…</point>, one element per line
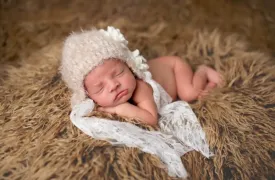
<point>122,100</point>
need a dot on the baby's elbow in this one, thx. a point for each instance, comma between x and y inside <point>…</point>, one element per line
<point>153,121</point>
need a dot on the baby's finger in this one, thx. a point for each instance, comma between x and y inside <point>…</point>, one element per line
<point>107,109</point>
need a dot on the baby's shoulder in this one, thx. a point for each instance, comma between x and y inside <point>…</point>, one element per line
<point>143,90</point>
<point>143,86</point>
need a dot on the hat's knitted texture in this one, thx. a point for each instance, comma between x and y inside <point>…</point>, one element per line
<point>86,50</point>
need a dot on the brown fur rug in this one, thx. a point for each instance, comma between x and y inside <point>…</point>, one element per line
<point>37,139</point>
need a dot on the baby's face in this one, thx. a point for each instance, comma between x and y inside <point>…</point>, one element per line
<point>110,84</point>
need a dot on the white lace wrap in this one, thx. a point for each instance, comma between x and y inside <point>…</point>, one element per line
<point>180,130</point>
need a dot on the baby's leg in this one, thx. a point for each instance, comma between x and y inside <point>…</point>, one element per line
<point>190,85</point>
<point>212,77</point>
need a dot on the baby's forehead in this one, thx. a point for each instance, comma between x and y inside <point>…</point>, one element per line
<point>105,68</point>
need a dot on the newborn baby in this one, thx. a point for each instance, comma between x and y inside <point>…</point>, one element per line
<point>98,67</point>
<point>98,64</point>
<point>112,84</point>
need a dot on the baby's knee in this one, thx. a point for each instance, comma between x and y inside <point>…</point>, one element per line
<point>189,95</point>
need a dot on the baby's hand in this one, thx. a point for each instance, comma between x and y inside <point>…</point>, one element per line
<point>107,109</point>
<point>116,109</point>
<point>131,111</point>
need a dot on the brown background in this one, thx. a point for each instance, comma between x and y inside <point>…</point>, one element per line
<point>37,139</point>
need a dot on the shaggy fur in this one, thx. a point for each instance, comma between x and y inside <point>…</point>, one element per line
<point>37,139</point>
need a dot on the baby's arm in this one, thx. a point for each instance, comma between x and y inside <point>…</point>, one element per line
<point>145,111</point>
<point>144,99</point>
<point>132,111</point>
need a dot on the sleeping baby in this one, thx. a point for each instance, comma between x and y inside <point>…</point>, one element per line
<point>99,69</point>
<point>103,69</point>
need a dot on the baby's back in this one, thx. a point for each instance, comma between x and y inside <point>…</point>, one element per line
<point>163,73</point>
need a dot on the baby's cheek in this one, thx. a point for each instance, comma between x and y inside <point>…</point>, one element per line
<point>93,97</point>
<point>102,100</point>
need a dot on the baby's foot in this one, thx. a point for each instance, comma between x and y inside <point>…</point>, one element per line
<point>208,87</point>
<point>213,76</point>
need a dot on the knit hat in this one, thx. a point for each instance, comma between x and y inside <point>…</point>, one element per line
<point>83,51</point>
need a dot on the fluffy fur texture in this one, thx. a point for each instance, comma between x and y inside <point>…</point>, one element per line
<point>37,139</point>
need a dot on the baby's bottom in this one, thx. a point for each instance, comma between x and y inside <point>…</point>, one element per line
<point>191,85</point>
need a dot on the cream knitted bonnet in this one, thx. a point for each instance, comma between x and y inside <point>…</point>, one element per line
<point>84,51</point>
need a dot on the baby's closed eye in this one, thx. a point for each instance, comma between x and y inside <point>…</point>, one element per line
<point>119,72</point>
<point>98,90</point>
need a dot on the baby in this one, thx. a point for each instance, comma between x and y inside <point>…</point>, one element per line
<point>100,64</point>
<point>112,84</point>
<point>98,67</point>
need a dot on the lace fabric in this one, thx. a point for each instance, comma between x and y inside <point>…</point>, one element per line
<point>180,130</point>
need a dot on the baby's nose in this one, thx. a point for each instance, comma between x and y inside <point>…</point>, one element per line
<point>113,85</point>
